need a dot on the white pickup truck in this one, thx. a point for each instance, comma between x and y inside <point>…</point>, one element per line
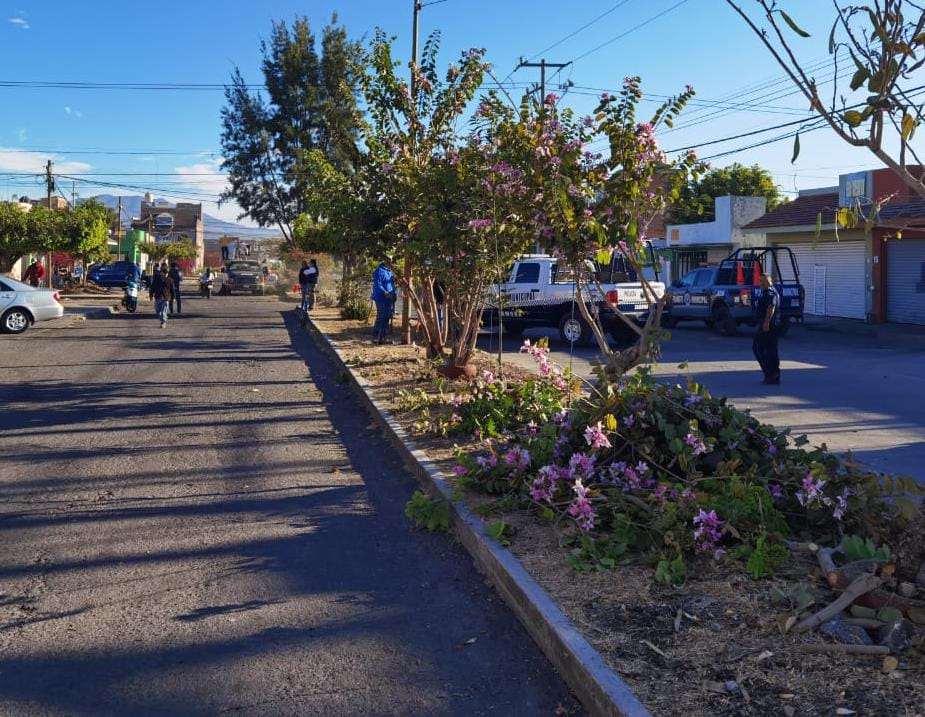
<point>539,294</point>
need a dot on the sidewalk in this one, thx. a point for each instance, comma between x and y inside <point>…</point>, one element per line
<point>893,334</point>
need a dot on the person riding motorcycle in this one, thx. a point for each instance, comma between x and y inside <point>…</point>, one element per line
<point>205,283</point>
<point>130,294</point>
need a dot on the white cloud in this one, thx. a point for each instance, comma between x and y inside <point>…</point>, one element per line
<point>22,135</point>
<point>16,160</point>
<point>67,109</point>
<point>71,111</point>
<point>20,21</point>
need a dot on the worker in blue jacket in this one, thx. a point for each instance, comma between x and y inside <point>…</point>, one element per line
<point>384,297</point>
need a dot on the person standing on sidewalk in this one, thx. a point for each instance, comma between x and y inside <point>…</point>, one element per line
<point>384,297</point>
<point>765,344</point>
<point>162,289</point>
<point>35,273</point>
<point>176,276</point>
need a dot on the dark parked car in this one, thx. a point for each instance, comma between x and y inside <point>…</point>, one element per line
<point>725,296</point>
<point>110,275</point>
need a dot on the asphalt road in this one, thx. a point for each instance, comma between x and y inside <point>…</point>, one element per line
<point>847,391</point>
<point>199,520</point>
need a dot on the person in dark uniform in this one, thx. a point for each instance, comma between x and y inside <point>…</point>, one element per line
<point>765,343</point>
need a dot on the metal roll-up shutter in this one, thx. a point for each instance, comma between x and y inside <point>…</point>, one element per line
<point>905,283</point>
<point>835,278</point>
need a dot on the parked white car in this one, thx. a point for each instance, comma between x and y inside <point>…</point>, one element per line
<point>22,305</point>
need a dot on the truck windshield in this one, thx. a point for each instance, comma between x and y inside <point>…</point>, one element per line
<point>244,266</point>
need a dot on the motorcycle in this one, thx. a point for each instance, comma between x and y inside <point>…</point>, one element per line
<point>205,288</point>
<point>130,297</point>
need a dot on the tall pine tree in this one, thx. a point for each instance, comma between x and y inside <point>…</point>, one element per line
<point>308,103</point>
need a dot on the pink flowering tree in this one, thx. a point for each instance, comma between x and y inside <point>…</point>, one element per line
<point>591,204</point>
<point>420,184</point>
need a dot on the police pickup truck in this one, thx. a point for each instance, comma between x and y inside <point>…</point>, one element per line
<point>726,295</point>
<point>240,275</point>
<point>540,292</point>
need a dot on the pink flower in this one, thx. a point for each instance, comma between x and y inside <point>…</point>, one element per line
<point>811,493</point>
<point>488,377</point>
<point>518,458</point>
<point>697,444</point>
<point>580,508</point>
<point>841,504</point>
<point>582,464</point>
<point>596,437</point>
<point>707,531</point>
<point>487,462</point>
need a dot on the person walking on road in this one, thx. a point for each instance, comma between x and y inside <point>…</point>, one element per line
<point>384,298</point>
<point>308,279</point>
<point>35,273</point>
<point>176,276</point>
<point>765,343</point>
<point>162,289</point>
<point>313,276</point>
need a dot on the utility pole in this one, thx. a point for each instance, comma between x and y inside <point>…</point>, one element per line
<point>119,227</point>
<point>50,187</point>
<point>406,303</point>
<point>49,182</point>
<point>542,64</point>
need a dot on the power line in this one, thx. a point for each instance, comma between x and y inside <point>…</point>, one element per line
<point>153,152</point>
<point>580,29</point>
<point>631,30</point>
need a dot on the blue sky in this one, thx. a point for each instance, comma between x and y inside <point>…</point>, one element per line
<point>699,42</point>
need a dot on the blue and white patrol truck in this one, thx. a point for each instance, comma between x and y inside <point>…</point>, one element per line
<point>540,292</point>
<point>725,296</point>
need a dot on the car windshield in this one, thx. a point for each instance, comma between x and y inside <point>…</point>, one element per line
<point>244,266</point>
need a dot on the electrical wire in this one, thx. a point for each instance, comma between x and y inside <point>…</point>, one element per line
<point>631,30</point>
<point>580,29</point>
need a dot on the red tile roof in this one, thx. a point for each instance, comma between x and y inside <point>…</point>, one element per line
<point>801,212</point>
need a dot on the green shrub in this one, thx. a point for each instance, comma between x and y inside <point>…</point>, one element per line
<point>433,515</point>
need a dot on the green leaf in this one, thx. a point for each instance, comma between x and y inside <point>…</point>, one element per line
<point>859,78</point>
<point>832,38</point>
<point>793,26</point>
<point>852,118</point>
<point>818,224</point>
<point>796,148</point>
<point>908,127</point>
<point>603,256</point>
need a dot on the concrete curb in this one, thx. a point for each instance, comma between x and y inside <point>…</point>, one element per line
<point>599,689</point>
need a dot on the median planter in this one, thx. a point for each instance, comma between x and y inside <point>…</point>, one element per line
<point>711,640</point>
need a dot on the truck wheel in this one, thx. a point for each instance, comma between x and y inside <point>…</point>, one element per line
<point>710,323</point>
<point>223,291</point>
<point>574,329</point>
<point>669,322</point>
<point>724,322</point>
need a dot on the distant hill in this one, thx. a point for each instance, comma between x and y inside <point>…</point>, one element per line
<point>214,227</point>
